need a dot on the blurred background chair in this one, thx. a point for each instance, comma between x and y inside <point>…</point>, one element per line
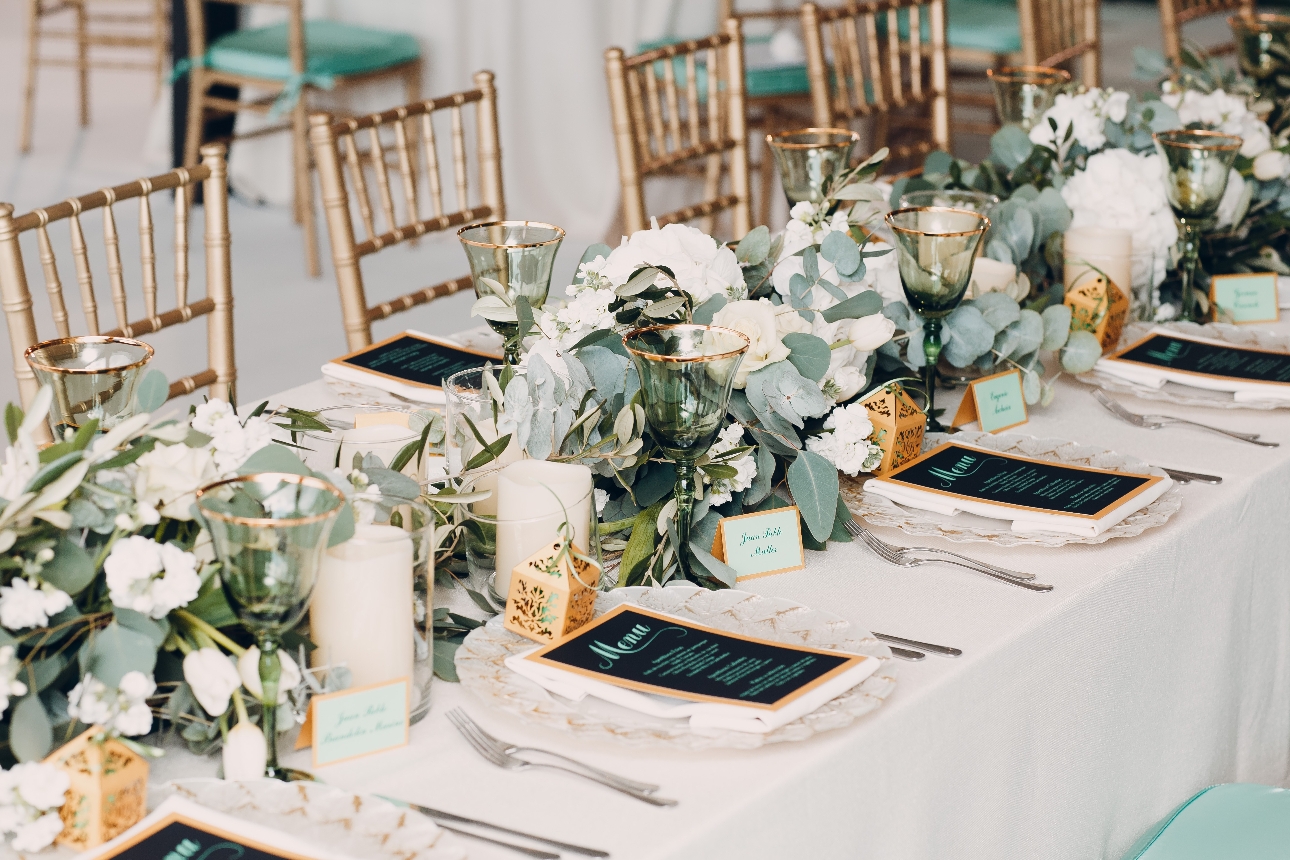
<point>1174,14</point>
<point>410,132</point>
<point>1237,820</point>
<point>1063,34</point>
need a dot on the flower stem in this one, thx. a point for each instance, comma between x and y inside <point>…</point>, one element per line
<point>210,630</point>
<point>615,526</point>
<point>239,705</point>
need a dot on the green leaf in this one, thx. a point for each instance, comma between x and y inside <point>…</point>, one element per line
<point>491,452</point>
<point>152,391</point>
<point>753,248</point>
<point>810,264</point>
<point>719,570</point>
<point>1081,352</point>
<point>967,336</point>
<point>274,458</point>
<point>761,485</point>
<point>704,313</point>
<point>128,456</point>
<point>71,569</point>
<point>639,282</point>
<point>937,161</point>
<point>665,308</point>
<point>597,336</point>
<point>813,482</point>
<point>1057,326</point>
<point>494,308</point>
<point>999,309</point>
<point>31,736</point>
<point>1028,331</point>
<point>52,471</point>
<point>640,546</point>
<point>12,421</point>
<point>140,623</point>
<point>808,353</point>
<point>85,434</point>
<point>116,650</point>
<point>1010,146</point>
<point>212,606</point>
<point>719,471</point>
<point>445,660</point>
<point>524,315</point>
<point>842,251</point>
<point>862,305</point>
<point>40,674</point>
<point>840,533</point>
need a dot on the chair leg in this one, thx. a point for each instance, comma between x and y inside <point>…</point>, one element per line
<point>196,113</point>
<point>29,85</point>
<point>161,45</point>
<point>304,191</point>
<point>83,62</point>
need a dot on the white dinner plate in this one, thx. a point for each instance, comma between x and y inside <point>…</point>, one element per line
<point>482,669</point>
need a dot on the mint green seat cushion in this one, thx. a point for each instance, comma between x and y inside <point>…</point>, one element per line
<point>761,78</point>
<point>331,49</point>
<point>983,25</point>
<point>1239,821</point>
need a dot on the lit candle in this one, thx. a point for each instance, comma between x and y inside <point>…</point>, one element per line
<point>1105,248</point>
<point>362,613</point>
<point>990,276</point>
<point>533,499</point>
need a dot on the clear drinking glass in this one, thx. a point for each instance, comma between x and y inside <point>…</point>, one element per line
<point>518,255</point>
<point>686,372</point>
<point>935,250</point>
<point>270,531</point>
<point>370,429</point>
<point>952,198</point>
<point>807,157</point>
<point>1262,48</point>
<point>93,378</point>
<point>1023,93</point>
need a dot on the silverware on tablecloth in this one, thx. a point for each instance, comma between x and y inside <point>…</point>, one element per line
<point>943,650</point>
<point>907,654</point>
<point>440,816</point>
<point>884,549</point>
<point>461,717</point>
<point>1187,477</point>
<point>1155,422</point>
<point>509,761</point>
<point>537,853</point>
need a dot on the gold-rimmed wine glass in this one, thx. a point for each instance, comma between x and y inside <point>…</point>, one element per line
<point>518,256</point>
<point>1023,93</point>
<point>93,379</point>
<point>808,158</point>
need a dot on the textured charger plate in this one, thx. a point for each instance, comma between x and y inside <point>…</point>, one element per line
<point>328,817</point>
<point>968,528</point>
<point>482,669</point>
<point>1185,395</point>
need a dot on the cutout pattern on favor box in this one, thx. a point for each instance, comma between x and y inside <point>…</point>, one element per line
<point>108,793</point>
<point>1100,307</point>
<point>551,594</point>
<point>898,425</point>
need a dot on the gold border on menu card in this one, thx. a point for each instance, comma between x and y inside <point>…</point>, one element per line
<point>421,337</point>
<point>180,818</point>
<point>340,694</point>
<point>1116,356</point>
<point>725,556</point>
<point>1276,304</point>
<point>851,661</point>
<point>1151,480</point>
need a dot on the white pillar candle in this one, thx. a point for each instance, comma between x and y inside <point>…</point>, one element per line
<point>383,440</point>
<point>533,498</point>
<point>362,613</point>
<point>990,276</point>
<point>486,475</point>
<point>1106,248</point>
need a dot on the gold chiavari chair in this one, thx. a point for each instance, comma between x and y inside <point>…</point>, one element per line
<point>336,147</point>
<point>664,125</point>
<point>1058,32</point>
<point>142,24</point>
<point>216,305</point>
<point>1175,13</point>
<point>863,65</point>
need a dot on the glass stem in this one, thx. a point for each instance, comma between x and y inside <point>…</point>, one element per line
<point>931,354</point>
<point>1187,271</point>
<point>684,509</point>
<point>513,352</point>
<point>270,673</point>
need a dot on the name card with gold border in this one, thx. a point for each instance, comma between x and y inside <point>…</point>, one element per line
<point>993,402</point>
<point>761,543</point>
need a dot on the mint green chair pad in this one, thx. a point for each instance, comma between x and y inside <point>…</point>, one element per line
<point>983,25</point>
<point>761,78</point>
<point>1239,821</point>
<point>331,49</point>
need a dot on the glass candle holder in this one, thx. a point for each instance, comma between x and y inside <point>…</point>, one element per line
<point>686,373</point>
<point>952,198</point>
<point>517,255</point>
<point>1256,37</point>
<point>469,411</point>
<point>270,531</point>
<point>385,431</point>
<point>1023,93</point>
<point>93,379</point>
<point>808,158</point>
<point>935,250</point>
<point>1197,164</point>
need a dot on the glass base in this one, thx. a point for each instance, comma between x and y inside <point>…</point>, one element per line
<point>288,774</point>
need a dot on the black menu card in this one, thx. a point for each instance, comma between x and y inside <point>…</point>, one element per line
<point>1184,355</point>
<point>177,837</point>
<point>415,359</point>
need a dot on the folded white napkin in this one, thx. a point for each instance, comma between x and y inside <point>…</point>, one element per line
<point>348,373</point>
<point>1155,377</point>
<point>702,715</point>
<point>1022,521</point>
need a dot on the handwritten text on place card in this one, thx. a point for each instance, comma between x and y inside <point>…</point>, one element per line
<point>1246,298</point>
<point>359,722</point>
<point>761,543</point>
<point>995,402</point>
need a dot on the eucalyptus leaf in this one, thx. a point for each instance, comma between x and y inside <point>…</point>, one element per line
<point>810,264</point>
<point>719,570</point>
<point>445,660</point>
<point>1010,146</point>
<point>842,251</point>
<point>813,482</point>
<point>1081,352</point>
<point>115,650</point>
<point>966,335</point>
<point>1031,388</point>
<point>999,309</point>
<point>753,248</point>
<point>761,485</point>
<point>274,458</point>
<point>599,249</point>
<point>704,313</point>
<point>1029,331</point>
<point>1057,326</point>
<point>140,623</point>
<point>31,736</point>
<point>809,354</point>
<point>152,391</point>
<point>860,305</point>
<point>71,569</point>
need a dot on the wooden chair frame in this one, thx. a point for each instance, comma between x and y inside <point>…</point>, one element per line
<point>1175,13</point>
<point>83,36</point>
<point>652,138</point>
<point>201,103</point>
<point>860,59</point>
<point>329,137</point>
<point>216,306</point>
<point>1057,32</point>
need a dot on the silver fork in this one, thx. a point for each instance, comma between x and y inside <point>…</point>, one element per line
<point>985,567</point>
<point>900,557</point>
<point>1155,422</point>
<point>512,762</point>
<point>459,717</point>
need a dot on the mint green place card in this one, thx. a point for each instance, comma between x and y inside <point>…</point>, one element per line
<point>995,402</point>
<point>1246,298</point>
<point>359,722</point>
<point>761,543</point>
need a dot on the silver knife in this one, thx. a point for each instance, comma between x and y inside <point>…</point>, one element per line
<point>906,654</point>
<point>440,815</point>
<point>536,853</point>
<point>922,646</point>
<point>1187,477</point>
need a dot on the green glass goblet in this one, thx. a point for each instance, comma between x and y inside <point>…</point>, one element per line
<point>808,158</point>
<point>518,256</point>
<point>1023,93</point>
<point>1197,165</point>
<point>1262,48</point>
<point>686,373</point>
<point>935,249</point>
<point>270,531</point>
<point>92,378</point>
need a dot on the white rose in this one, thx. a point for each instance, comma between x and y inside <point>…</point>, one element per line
<point>212,677</point>
<point>248,668</point>
<point>789,321</point>
<point>702,267</point>
<point>868,333</point>
<point>245,752</point>
<point>797,235</point>
<point>1271,165</point>
<point>1255,144</point>
<point>757,321</point>
<point>1231,198</point>
<point>170,475</point>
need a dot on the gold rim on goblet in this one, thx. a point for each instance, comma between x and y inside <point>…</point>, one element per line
<point>1174,137</point>
<point>1252,22</point>
<point>982,227</point>
<point>559,237</point>
<point>653,356</point>
<point>1039,75</point>
<point>270,522</point>
<point>779,138</point>
<point>34,348</point>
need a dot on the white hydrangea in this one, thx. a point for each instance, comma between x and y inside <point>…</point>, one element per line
<point>31,794</point>
<point>1086,114</point>
<point>24,603</point>
<point>1119,189</point>
<point>122,711</point>
<point>150,577</point>
<point>746,466</point>
<point>848,446</point>
<point>232,440</point>
<point>10,686</point>
<point>1222,112</point>
<point>702,266</point>
<point>586,312</point>
<point>808,224</point>
<point>16,472</point>
<point>168,477</point>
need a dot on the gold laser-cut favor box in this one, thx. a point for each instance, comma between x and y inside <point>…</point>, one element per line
<point>1099,306</point>
<point>898,425</point>
<point>547,601</point>
<point>109,791</point>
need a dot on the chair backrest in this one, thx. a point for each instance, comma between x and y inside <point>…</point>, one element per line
<point>1175,13</point>
<point>411,129</point>
<point>216,306</point>
<point>861,64</point>
<point>295,29</point>
<point>678,106</point>
<point>1057,32</point>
